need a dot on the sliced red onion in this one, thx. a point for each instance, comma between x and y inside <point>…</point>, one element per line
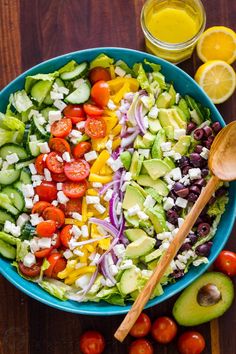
<point>90,284</point>
<point>112,210</point>
<point>139,117</point>
<point>106,270</point>
<point>77,244</point>
<point>115,154</point>
<point>106,225</point>
<point>107,186</point>
<point>130,139</point>
<point>131,129</point>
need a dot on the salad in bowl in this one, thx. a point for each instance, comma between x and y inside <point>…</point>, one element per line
<point>100,164</point>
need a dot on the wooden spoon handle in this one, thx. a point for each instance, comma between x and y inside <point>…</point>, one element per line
<point>166,259</point>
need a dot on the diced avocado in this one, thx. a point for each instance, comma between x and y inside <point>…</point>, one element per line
<point>154,194</point>
<point>156,168</point>
<point>184,107</point>
<point>7,250</point>
<point>131,220</point>
<point>148,139</point>
<point>179,118</point>
<point>40,90</point>
<point>129,281</point>
<point>169,130</point>
<point>205,299</point>
<point>164,100</point>
<point>8,238</point>
<point>153,255</point>
<point>158,185</point>
<point>154,125</point>
<point>172,92</point>
<point>156,151</point>
<point>126,159</point>
<point>134,234</point>
<point>157,219</point>
<point>139,188</point>
<point>166,118</point>
<point>169,162</point>
<point>181,114</point>
<point>132,197</point>
<point>140,247</point>
<point>143,171</point>
<point>136,164</point>
<point>138,143</point>
<point>182,145</point>
<point>159,209</point>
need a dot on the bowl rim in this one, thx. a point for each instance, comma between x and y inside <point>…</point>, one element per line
<point>118,310</point>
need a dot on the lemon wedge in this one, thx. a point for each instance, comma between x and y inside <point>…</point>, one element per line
<point>217,43</point>
<point>218,80</point>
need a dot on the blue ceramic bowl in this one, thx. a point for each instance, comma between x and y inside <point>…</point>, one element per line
<point>185,85</point>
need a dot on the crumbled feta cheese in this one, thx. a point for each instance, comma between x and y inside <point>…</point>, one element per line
<point>142,215</point>
<point>35,219</point>
<point>166,146</point>
<point>22,219</point>
<point>109,259</point>
<point>97,185</point>
<point>172,265</point>
<point>200,260</point>
<point>149,202</point>
<point>44,148</point>
<point>176,174</point>
<point>34,247</point>
<point>100,208</point>
<point>66,156</point>
<point>37,178</point>
<point>205,153</point>
<point>146,273</point>
<point>78,252</point>
<point>54,203</point>
<point>185,180</point>
<point>109,283</point>
<point>59,186</point>
<point>114,164</point>
<point>76,216</point>
<point>44,242</point>
<point>33,138</point>
<point>41,119</point>
<point>180,222</point>
<point>134,210</point>
<point>29,203</point>
<point>108,195</point>
<point>128,263</point>
<point>80,265</point>
<point>113,269</point>
<point>169,153</point>
<point>182,258</point>
<point>75,134</point>
<point>178,133</point>
<point>165,245</point>
<point>36,199</point>
<point>5,165</point>
<point>119,250</point>
<point>12,158</point>
<point>170,226</point>
<point>179,264</point>
<point>90,199</point>
<point>164,236</point>
<point>27,190</point>
<point>119,208</point>
<point>120,72</point>
<point>90,156</point>
<point>59,105</point>
<point>144,152</point>
<point>75,231</point>
<point>111,105</point>
<point>62,198</point>
<point>84,230</point>
<point>181,202</point>
<point>194,173</point>
<point>11,228</point>
<point>169,203</point>
<point>177,156</point>
<point>56,95</point>
<point>63,90</point>
<point>145,122</point>
<point>109,146</point>
<point>175,231</point>
<point>32,169</point>
<point>29,260</point>
<point>68,254</point>
<point>95,259</point>
<point>47,174</point>
<point>153,112</point>
<point>80,125</point>
<point>123,188</point>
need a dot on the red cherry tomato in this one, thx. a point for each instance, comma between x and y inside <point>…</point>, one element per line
<point>141,346</point>
<point>61,128</point>
<point>39,207</point>
<point>32,271</point>
<point>226,263</point>
<point>75,112</point>
<point>141,327</point>
<point>66,235</point>
<point>55,214</point>
<point>59,145</point>
<point>40,164</point>
<point>191,342</point>
<point>82,148</point>
<point>74,190</point>
<point>92,342</point>
<point>52,270</point>
<point>77,170</point>
<point>99,73</point>
<point>100,93</point>
<point>73,206</point>
<point>56,241</point>
<point>43,253</point>
<point>92,110</point>
<point>164,330</point>
<point>58,177</point>
<point>95,128</point>
<point>53,164</point>
<point>46,191</point>
<point>46,228</point>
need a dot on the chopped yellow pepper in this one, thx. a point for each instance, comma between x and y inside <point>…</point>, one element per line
<point>116,143</point>
<point>106,170</point>
<point>74,275</point>
<point>69,268</point>
<point>84,210</point>
<point>69,221</point>
<point>112,71</point>
<point>100,162</point>
<point>120,94</point>
<point>92,191</point>
<point>116,84</point>
<point>110,123</point>
<point>96,178</point>
<point>99,144</point>
<point>104,243</point>
<point>91,248</point>
<point>115,131</point>
<point>84,258</point>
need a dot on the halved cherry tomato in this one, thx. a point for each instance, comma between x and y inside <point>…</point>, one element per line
<point>141,346</point>
<point>46,191</point>
<point>75,112</point>
<point>77,170</point>
<point>99,73</point>
<point>40,164</point>
<point>82,148</point>
<point>61,128</point>
<point>92,342</point>
<point>58,177</point>
<point>39,207</point>
<point>53,164</point>
<point>191,342</point>
<point>53,259</point>
<point>226,263</point>
<point>46,228</point>
<point>73,206</point>
<point>141,327</point>
<point>164,330</point>
<point>74,190</point>
<point>92,110</point>
<point>95,128</point>
<point>56,214</point>
<point>59,145</point>
<point>43,253</point>
<point>100,93</point>
<point>32,271</point>
<point>66,235</point>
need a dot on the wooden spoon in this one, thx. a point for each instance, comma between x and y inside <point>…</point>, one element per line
<point>222,164</point>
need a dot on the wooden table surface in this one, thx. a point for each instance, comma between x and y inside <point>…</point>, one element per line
<point>32,31</point>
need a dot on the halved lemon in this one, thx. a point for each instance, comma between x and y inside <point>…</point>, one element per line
<point>218,79</point>
<point>217,43</point>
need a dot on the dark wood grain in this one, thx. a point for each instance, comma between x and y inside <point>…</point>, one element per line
<point>35,30</point>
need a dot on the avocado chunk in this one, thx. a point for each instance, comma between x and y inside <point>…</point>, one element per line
<point>129,281</point>
<point>134,234</point>
<point>140,247</point>
<point>156,151</point>
<point>184,108</point>
<point>156,168</point>
<point>126,159</point>
<point>154,125</point>
<point>132,197</point>
<point>169,130</point>
<point>153,255</point>
<point>164,100</point>
<point>159,185</point>
<point>138,143</point>
<point>171,117</point>
<point>169,162</point>
<point>172,92</point>
<point>148,139</point>
<point>131,220</point>
<point>136,164</point>
<point>182,145</point>
<point>189,312</point>
<point>158,220</point>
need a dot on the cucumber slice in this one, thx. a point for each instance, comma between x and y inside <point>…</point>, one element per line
<point>34,148</point>
<point>23,164</point>
<point>38,127</point>
<point>4,216</point>
<point>46,110</point>
<point>40,90</point>
<point>9,176</point>
<point>5,203</point>
<point>78,71</point>
<point>80,95</point>
<point>59,82</point>
<point>18,185</point>
<point>16,197</point>
<point>47,100</point>
<point>7,250</point>
<point>25,176</point>
<point>9,149</point>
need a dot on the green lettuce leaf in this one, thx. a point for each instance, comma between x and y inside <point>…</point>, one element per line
<point>218,207</point>
<point>159,79</point>
<point>101,60</point>
<point>124,66</point>
<point>55,287</point>
<point>142,77</point>
<point>22,249</point>
<point>155,67</point>
<point>68,67</point>
<point>31,80</point>
<point>20,101</point>
<point>14,125</point>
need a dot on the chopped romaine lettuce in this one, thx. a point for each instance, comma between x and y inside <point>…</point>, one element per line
<point>55,288</point>
<point>101,60</point>
<point>218,207</point>
<point>20,101</point>
<point>68,67</point>
<point>155,67</point>
<point>31,80</point>
<point>22,249</point>
<point>123,66</point>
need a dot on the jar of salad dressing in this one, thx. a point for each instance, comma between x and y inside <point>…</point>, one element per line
<point>172,27</point>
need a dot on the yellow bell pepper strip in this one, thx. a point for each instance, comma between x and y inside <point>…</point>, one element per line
<point>96,178</point>
<point>91,248</point>
<point>84,210</point>
<point>116,84</point>
<point>99,144</point>
<point>120,94</point>
<point>105,244</point>
<point>116,143</point>
<point>74,275</point>
<point>70,266</point>
<point>112,71</point>
<point>84,258</point>
<point>106,170</point>
<point>70,221</point>
<point>100,162</point>
<point>92,191</point>
<point>115,131</point>
<point>111,122</point>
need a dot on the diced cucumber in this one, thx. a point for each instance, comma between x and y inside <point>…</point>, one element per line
<point>7,250</point>
<point>11,240</point>
<point>59,82</point>
<point>47,100</point>
<point>9,149</point>
<point>78,71</point>
<point>23,164</point>
<point>25,176</point>
<point>34,148</point>
<point>38,127</point>
<point>9,176</point>
<point>15,196</point>
<point>18,185</point>
<point>80,95</point>
<point>40,90</point>
<point>5,203</point>
<point>4,216</point>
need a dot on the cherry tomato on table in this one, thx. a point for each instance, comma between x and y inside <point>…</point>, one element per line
<point>226,263</point>
<point>55,214</point>
<point>77,170</point>
<point>141,346</point>
<point>59,145</point>
<point>95,128</point>
<point>40,164</point>
<point>99,73</point>
<point>46,191</point>
<point>39,207</point>
<point>164,330</point>
<point>65,235</point>
<point>74,190</point>
<point>100,93</point>
<point>53,164</point>
<point>92,342</point>
<point>82,148</point>
<point>61,128</point>
<point>46,228</point>
<point>57,264</point>
<point>73,206</point>
<point>191,342</point>
<point>32,271</point>
<point>92,110</point>
<point>141,327</point>
<point>75,112</point>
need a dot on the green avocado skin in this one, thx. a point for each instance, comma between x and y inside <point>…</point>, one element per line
<point>187,310</point>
